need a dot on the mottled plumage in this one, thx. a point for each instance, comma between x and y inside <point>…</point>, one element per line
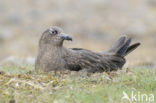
<point>53,56</point>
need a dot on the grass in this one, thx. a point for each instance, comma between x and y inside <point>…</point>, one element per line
<point>22,85</point>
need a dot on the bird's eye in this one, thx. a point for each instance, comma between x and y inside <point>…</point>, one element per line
<point>53,31</point>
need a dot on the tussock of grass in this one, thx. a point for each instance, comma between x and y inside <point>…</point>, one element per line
<point>22,85</point>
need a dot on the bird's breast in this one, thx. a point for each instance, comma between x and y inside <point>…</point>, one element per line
<point>51,61</point>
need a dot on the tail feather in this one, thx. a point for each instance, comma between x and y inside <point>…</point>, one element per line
<point>117,45</point>
<point>131,48</point>
<point>124,48</point>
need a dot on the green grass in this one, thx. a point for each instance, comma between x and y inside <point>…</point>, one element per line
<point>22,85</point>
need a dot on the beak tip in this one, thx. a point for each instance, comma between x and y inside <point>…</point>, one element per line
<point>70,38</point>
<point>65,37</point>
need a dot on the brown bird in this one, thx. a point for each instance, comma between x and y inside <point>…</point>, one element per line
<point>53,56</point>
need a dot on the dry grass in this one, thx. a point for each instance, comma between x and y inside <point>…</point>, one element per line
<point>26,86</point>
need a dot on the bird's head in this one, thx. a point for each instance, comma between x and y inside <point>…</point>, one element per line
<point>54,36</point>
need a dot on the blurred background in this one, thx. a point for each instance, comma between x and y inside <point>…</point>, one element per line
<point>93,24</point>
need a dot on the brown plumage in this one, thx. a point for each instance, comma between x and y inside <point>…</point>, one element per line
<point>53,56</point>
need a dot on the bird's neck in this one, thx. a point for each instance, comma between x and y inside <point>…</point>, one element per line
<point>60,50</point>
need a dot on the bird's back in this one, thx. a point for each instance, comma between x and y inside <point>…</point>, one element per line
<point>79,59</point>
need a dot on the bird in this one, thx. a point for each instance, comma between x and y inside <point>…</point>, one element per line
<point>53,56</point>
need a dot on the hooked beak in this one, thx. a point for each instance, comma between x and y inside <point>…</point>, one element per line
<point>66,37</point>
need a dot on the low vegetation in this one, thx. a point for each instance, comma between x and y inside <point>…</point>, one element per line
<point>22,85</point>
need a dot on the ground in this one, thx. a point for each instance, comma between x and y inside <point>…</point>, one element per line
<point>20,84</point>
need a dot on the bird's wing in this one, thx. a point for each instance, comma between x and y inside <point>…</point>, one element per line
<point>79,58</point>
